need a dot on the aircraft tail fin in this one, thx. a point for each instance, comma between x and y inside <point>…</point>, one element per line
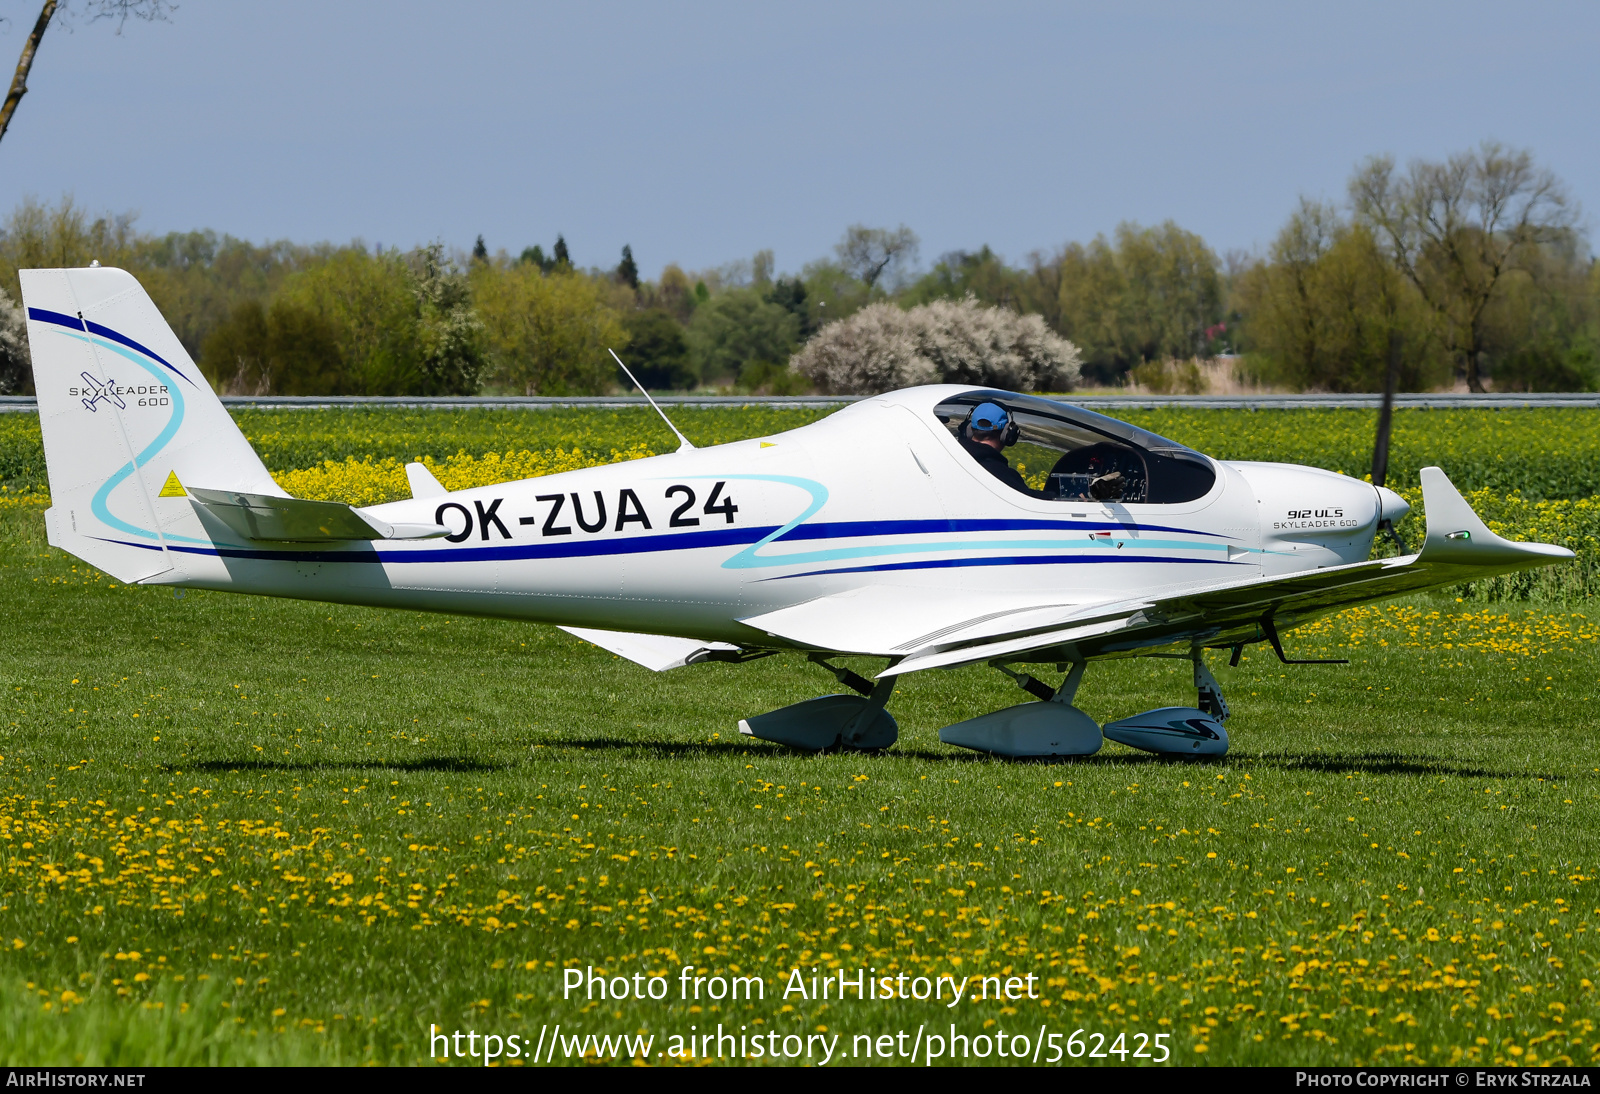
<point>128,423</point>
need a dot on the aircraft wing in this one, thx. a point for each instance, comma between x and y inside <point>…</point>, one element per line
<point>1458,547</point>
<point>296,520</point>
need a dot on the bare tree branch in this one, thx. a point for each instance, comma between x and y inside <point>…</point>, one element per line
<point>1456,229</point>
<point>867,253</point>
<point>19,82</point>
<point>149,11</point>
<point>120,10</point>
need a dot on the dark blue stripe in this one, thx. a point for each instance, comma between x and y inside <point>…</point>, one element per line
<point>682,541</point>
<point>1010,560</point>
<point>153,547</point>
<point>738,537</point>
<point>493,553</point>
<point>848,529</point>
<point>266,556</point>
<point>675,541</point>
<point>107,332</point>
<point>355,556</point>
<point>58,318</point>
<point>44,315</point>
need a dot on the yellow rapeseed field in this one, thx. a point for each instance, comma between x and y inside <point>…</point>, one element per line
<point>371,481</point>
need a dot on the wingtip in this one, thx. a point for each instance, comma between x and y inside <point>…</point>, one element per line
<point>1457,535</point>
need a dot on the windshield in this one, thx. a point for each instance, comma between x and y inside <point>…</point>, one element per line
<point>1071,454</point>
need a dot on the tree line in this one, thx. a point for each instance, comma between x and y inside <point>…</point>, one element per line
<point>1473,269</point>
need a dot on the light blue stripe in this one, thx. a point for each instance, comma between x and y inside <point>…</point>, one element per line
<point>879,550</point>
<point>747,559</point>
<point>97,504</point>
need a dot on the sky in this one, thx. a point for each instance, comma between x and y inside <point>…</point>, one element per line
<point>699,133</point>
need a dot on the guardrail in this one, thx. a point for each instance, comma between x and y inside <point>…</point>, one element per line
<point>27,404</point>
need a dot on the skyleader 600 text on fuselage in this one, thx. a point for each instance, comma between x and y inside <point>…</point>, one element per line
<point>872,532</point>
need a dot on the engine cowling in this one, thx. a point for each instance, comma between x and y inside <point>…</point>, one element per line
<point>1311,517</point>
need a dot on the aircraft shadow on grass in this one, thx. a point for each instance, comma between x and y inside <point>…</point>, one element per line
<point>1375,763</point>
<point>1385,763</point>
<point>738,747</point>
<point>446,764</point>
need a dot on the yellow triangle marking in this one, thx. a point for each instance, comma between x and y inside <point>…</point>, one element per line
<point>173,488</point>
<point>768,444</point>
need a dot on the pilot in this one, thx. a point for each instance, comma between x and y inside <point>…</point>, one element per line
<point>989,431</point>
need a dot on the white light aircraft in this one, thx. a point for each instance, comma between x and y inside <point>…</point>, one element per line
<point>877,531</point>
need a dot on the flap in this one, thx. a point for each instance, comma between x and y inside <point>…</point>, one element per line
<point>656,652</point>
<point>296,520</point>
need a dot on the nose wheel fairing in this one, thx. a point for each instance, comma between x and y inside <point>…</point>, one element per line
<point>1180,731</point>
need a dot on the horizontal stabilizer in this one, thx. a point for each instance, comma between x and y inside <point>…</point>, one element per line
<point>656,652</point>
<point>296,520</point>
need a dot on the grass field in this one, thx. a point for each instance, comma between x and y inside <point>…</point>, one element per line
<point>245,830</point>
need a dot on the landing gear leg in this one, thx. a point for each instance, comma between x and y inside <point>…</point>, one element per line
<point>1041,690</point>
<point>1068,690</point>
<point>867,730</point>
<point>1211,701</point>
<point>854,681</point>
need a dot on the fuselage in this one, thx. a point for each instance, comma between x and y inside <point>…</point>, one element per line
<point>880,493</point>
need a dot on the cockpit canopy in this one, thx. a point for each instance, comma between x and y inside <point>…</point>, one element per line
<point>1089,456</point>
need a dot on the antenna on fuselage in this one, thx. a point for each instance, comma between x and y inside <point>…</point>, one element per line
<point>685,440</point>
